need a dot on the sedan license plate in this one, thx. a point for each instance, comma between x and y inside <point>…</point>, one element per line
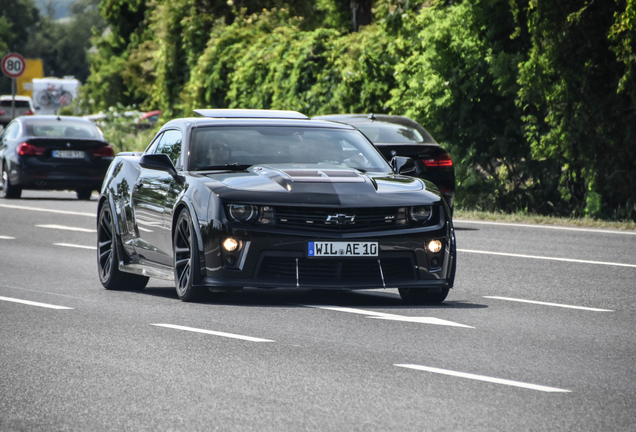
<point>68,154</point>
<point>342,249</point>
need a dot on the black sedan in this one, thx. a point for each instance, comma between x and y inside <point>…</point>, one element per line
<point>53,153</point>
<point>268,199</point>
<point>402,136</point>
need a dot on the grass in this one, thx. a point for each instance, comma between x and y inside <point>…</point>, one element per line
<point>542,220</point>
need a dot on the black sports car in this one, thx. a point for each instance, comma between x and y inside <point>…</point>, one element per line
<point>53,152</point>
<point>267,199</point>
<point>402,136</point>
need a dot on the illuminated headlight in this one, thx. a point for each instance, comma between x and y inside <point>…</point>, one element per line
<point>421,213</point>
<point>434,246</point>
<point>242,212</point>
<point>230,244</point>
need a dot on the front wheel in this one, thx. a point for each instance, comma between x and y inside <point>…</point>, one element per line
<point>107,261</point>
<point>186,256</point>
<point>423,296</point>
<point>9,190</point>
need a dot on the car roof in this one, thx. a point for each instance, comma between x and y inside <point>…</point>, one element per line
<point>36,118</point>
<point>17,97</point>
<point>255,121</point>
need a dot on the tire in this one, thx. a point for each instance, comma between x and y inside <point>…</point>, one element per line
<point>423,296</point>
<point>185,259</point>
<point>84,194</point>
<point>107,259</point>
<point>9,190</point>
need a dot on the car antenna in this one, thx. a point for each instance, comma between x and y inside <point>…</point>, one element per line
<point>371,117</point>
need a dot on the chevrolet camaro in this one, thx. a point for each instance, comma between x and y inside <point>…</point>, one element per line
<point>271,199</point>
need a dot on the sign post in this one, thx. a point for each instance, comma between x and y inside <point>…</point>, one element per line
<point>13,65</point>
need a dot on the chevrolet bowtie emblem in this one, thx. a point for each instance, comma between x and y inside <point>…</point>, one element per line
<point>340,219</point>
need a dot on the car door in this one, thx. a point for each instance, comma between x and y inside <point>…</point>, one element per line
<point>151,201</point>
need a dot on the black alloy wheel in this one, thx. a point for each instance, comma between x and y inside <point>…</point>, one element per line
<point>186,257</point>
<point>107,260</point>
<point>9,190</point>
<point>423,296</point>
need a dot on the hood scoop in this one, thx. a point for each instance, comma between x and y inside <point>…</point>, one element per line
<point>323,176</point>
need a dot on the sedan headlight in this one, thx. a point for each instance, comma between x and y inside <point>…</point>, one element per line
<point>242,212</point>
<point>421,214</point>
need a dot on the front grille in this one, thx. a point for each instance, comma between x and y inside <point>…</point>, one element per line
<point>351,220</point>
<point>399,267</point>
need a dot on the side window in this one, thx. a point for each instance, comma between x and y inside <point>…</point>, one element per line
<point>170,144</point>
<point>153,145</point>
<point>12,131</point>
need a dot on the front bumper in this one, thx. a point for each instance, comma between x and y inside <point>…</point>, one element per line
<point>280,260</point>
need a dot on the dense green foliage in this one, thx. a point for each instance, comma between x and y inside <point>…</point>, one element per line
<point>535,100</point>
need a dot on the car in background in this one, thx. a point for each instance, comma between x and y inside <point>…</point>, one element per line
<point>23,106</point>
<point>147,120</point>
<point>271,199</point>
<point>402,136</point>
<point>53,153</point>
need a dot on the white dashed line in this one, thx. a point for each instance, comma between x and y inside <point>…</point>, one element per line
<point>67,228</point>
<point>215,333</point>
<point>547,258</point>
<point>484,378</point>
<point>391,317</point>
<point>6,237</point>
<point>550,304</point>
<point>93,215</point>
<point>546,227</point>
<point>75,246</point>
<point>31,303</point>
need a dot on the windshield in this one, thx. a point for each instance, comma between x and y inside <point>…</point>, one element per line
<point>224,147</point>
<point>391,133</point>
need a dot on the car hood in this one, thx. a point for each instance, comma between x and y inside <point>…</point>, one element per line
<point>319,185</point>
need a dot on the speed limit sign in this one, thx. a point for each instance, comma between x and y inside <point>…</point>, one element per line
<point>13,65</point>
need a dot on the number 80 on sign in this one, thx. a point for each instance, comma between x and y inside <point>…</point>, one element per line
<point>13,65</point>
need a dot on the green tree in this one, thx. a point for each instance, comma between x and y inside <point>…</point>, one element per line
<point>579,101</point>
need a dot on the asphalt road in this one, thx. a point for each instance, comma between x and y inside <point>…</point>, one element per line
<point>538,334</point>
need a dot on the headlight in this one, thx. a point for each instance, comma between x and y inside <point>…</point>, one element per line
<point>242,212</point>
<point>421,213</point>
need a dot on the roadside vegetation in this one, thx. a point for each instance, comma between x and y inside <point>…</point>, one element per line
<point>536,101</point>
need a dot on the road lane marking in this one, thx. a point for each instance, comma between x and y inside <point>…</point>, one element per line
<point>546,227</point>
<point>549,304</point>
<point>6,237</point>
<point>75,246</point>
<point>67,228</point>
<point>548,258</point>
<point>93,215</point>
<point>390,317</point>
<point>215,333</point>
<point>31,303</point>
<point>485,378</point>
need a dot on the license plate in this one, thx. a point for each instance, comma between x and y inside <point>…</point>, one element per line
<point>68,154</point>
<point>342,249</point>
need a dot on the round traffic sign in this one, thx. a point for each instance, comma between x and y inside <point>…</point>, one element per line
<point>13,65</point>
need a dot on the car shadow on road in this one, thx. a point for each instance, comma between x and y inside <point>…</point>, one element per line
<point>252,297</point>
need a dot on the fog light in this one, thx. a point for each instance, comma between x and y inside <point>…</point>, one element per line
<point>436,262</point>
<point>230,244</point>
<point>230,260</point>
<point>435,246</point>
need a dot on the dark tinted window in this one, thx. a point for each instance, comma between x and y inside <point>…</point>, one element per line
<point>392,133</point>
<point>170,144</point>
<point>18,104</point>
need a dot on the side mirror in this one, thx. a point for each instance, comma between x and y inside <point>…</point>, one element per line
<point>403,165</point>
<point>159,161</point>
